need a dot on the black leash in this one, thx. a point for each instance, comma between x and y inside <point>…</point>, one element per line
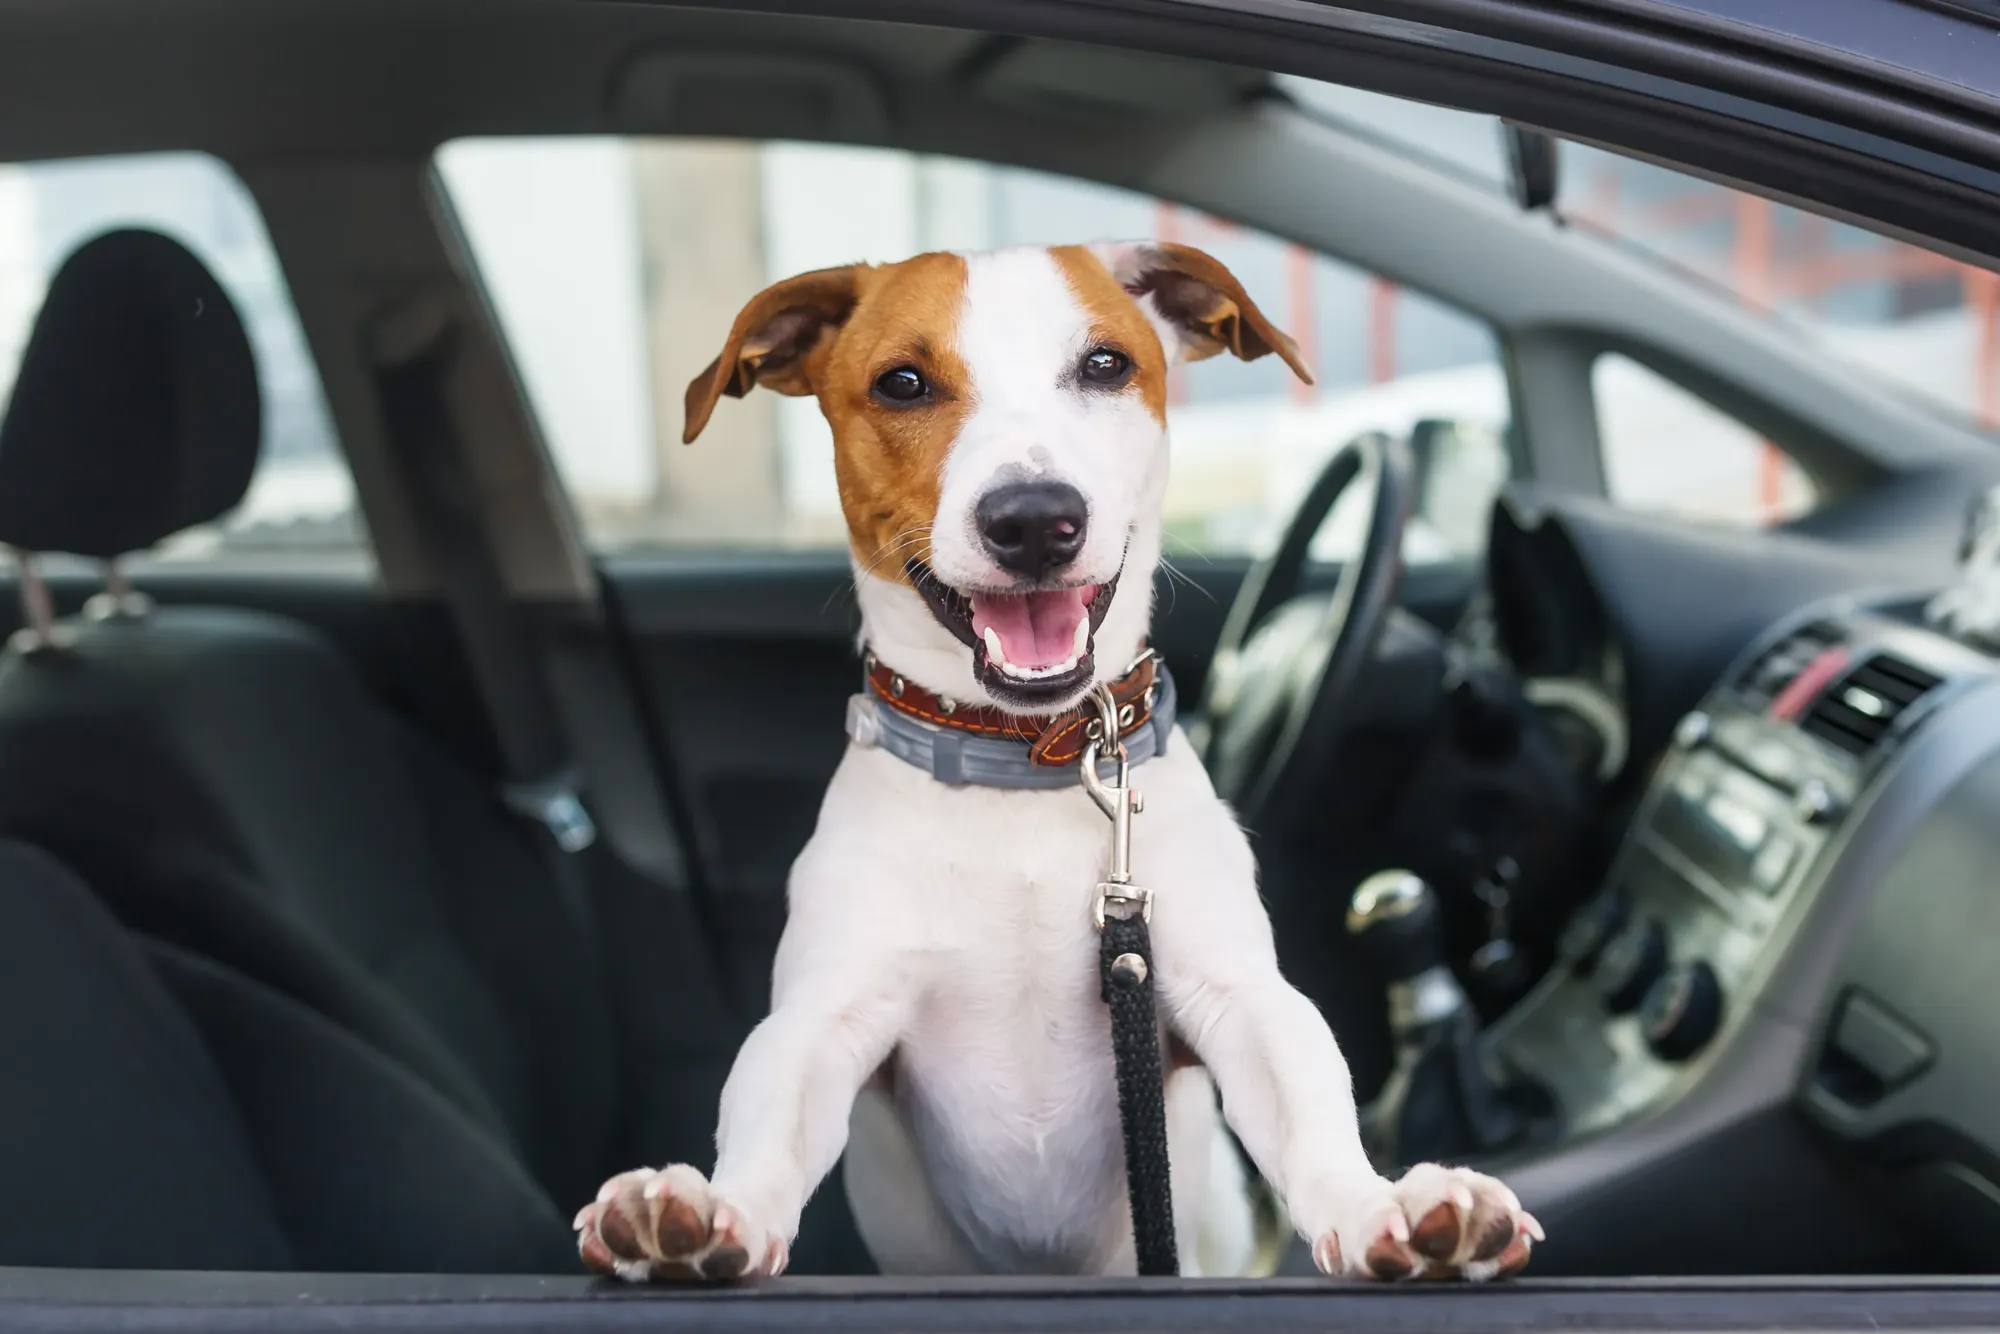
<point>1125,973</point>
<point>1125,952</point>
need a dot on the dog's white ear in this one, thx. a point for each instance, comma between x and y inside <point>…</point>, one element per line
<point>773,340</point>
<point>1196,303</point>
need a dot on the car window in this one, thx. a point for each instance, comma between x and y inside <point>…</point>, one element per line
<point>302,497</point>
<point>1464,143</point>
<point>661,241</point>
<point>1668,450</point>
<point>1923,324</point>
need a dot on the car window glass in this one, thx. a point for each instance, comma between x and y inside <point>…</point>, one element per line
<point>1665,449</point>
<point>1919,322</point>
<point>661,241</point>
<point>302,498</point>
<point>1463,142</point>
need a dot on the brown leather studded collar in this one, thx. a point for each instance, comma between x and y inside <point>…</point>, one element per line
<point>1053,740</point>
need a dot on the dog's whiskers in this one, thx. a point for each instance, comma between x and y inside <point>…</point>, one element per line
<point>844,589</point>
<point>1176,577</point>
<point>906,540</point>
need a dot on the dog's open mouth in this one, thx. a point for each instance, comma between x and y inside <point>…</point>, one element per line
<point>1029,649</point>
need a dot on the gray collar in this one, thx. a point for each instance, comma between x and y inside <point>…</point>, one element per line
<point>961,758</point>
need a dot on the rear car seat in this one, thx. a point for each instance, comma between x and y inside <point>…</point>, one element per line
<point>305,860</point>
<point>111,1095</point>
<point>233,1128</point>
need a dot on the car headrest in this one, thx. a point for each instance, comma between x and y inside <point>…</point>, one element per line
<point>136,413</point>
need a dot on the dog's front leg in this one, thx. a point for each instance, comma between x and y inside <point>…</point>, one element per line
<point>839,1010</point>
<point>1287,1093</point>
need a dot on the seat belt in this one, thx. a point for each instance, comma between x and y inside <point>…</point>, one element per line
<point>541,784</point>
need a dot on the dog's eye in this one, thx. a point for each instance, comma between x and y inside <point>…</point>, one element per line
<point>905,384</point>
<point>1103,365</point>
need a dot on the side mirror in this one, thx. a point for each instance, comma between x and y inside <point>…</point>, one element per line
<point>1533,175</point>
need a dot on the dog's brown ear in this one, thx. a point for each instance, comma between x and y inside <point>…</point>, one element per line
<point>1198,303</point>
<point>773,341</point>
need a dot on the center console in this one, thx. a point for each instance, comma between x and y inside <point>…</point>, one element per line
<point>1727,858</point>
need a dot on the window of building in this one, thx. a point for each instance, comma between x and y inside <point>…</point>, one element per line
<point>1667,450</point>
<point>616,266</point>
<point>302,498</point>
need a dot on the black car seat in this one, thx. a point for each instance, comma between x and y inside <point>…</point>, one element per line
<point>109,1094</point>
<point>162,1112</point>
<point>224,780</point>
<point>234,1128</point>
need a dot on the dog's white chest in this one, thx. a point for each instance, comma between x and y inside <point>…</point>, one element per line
<point>1004,1079</point>
<point>1005,1082</point>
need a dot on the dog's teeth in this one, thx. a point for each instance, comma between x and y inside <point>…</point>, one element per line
<point>1038,673</point>
<point>1082,644</point>
<point>994,653</point>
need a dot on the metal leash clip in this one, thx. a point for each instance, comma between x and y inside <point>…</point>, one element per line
<point>1117,896</point>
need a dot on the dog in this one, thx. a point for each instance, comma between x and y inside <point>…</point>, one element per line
<point>999,426</point>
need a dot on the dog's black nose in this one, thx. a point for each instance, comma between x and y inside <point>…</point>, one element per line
<point>1032,528</point>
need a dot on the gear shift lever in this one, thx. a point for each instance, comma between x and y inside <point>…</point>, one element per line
<point>1439,1102</point>
<point>1395,916</point>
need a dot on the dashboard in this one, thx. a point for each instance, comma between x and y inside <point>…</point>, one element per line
<point>1806,912</point>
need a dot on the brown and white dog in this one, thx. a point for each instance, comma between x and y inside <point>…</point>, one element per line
<point>999,423</point>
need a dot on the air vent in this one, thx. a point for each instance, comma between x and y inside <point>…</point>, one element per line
<point>1778,666</point>
<point>1858,711</point>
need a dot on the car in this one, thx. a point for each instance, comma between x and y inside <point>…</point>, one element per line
<point>404,739</point>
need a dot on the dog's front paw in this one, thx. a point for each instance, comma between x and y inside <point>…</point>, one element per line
<point>1436,1223</point>
<point>668,1224</point>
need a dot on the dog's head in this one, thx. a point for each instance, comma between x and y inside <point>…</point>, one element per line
<point>999,426</point>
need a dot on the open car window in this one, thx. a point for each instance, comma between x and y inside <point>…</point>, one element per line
<point>607,341</point>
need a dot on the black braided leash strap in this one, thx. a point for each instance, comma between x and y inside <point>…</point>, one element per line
<point>1142,1104</point>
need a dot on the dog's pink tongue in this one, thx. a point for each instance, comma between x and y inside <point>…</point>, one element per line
<point>1035,629</point>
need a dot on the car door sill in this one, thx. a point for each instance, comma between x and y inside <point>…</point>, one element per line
<point>83,1300</point>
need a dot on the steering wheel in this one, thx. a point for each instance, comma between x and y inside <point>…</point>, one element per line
<point>1280,689</point>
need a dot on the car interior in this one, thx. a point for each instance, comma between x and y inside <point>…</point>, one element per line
<point>376,885</point>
